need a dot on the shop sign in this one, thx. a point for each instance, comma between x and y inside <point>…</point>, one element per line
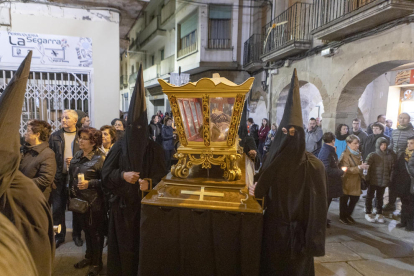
<point>67,51</point>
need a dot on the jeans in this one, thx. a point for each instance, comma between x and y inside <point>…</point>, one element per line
<point>59,198</point>
<point>371,193</point>
<point>347,205</point>
<point>261,146</point>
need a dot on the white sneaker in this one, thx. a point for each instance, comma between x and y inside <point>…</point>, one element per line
<point>370,217</point>
<point>379,218</point>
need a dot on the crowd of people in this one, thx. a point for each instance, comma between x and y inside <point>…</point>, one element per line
<point>67,167</point>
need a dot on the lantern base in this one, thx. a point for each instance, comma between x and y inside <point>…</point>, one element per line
<point>227,162</point>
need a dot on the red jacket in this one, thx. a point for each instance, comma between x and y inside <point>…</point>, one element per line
<point>263,133</point>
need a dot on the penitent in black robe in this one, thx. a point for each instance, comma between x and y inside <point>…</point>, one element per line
<point>293,183</point>
<point>124,221</point>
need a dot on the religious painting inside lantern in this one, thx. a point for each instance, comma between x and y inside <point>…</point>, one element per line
<point>190,110</point>
<point>221,110</point>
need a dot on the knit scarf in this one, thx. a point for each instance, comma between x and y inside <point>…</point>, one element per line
<point>354,152</point>
<point>408,154</point>
<point>402,127</point>
<point>341,137</point>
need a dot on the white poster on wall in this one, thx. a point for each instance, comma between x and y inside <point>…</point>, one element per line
<point>67,51</point>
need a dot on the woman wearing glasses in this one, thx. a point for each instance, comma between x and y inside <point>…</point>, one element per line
<point>87,200</point>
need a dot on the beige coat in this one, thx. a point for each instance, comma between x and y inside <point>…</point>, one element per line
<point>351,181</point>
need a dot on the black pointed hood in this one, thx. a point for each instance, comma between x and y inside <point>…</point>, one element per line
<point>11,103</point>
<point>286,150</point>
<point>136,133</point>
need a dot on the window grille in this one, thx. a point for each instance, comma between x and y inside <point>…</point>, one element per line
<point>49,93</point>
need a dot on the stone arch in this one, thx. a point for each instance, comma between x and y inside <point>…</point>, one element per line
<point>347,104</point>
<point>283,80</point>
<point>310,98</point>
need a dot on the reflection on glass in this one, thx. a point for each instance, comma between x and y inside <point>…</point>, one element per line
<point>192,118</point>
<point>221,110</point>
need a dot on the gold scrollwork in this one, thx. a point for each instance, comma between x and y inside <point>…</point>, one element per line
<point>206,120</point>
<point>228,163</point>
<point>235,120</point>
<point>178,120</point>
<point>182,168</point>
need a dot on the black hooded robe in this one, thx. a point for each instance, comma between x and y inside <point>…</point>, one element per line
<point>291,235</point>
<point>124,221</point>
<point>293,183</point>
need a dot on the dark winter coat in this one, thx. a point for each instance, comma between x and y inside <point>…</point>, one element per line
<point>254,131</point>
<point>57,144</point>
<point>362,135</point>
<point>370,144</point>
<point>401,181</point>
<point>91,166</point>
<point>381,165</point>
<point>155,130</point>
<point>334,181</point>
<point>399,139</point>
<point>38,163</point>
<point>410,166</point>
<point>167,138</point>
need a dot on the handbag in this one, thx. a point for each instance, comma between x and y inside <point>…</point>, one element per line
<point>364,184</point>
<point>78,205</point>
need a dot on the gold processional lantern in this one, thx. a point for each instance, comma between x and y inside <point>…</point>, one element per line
<point>207,116</point>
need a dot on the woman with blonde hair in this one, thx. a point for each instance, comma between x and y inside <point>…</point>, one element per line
<point>351,163</point>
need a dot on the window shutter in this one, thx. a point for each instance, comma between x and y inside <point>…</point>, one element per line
<point>189,25</point>
<point>220,12</point>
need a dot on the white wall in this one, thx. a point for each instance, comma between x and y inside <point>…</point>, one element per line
<point>48,19</point>
<point>373,101</point>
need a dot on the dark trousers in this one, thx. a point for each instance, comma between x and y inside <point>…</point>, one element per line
<point>93,226</point>
<point>260,148</point>
<point>347,205</point>
<point>168,156</point>
<point>59,198</point>
<point>76,226</point>
<point>392,196</point>
<point>374,191</point>
<point>407,210</point>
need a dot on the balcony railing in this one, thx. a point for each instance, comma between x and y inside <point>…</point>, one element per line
<point>151,73</point>
<point>167,11</point>
<point>327,11</point>
<point>188,44</point>
<point>219,43</point>
<point>167,65</point>
<point>297,28</point>
<point>252,48</point>
<point>149,29</point>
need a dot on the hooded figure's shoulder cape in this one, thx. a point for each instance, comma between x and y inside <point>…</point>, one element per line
<point>21,201</point>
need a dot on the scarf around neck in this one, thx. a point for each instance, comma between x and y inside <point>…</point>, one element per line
<point>408,154</point>
<point>354,152</point>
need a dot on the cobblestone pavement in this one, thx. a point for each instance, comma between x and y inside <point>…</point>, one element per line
<point>362,249</point>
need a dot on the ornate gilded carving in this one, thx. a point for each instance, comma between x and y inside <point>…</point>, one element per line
<point>178,120</point>
<point>206,120</point>
<point>182,168</point>
<point>235,120</point>
<point>228,163</point>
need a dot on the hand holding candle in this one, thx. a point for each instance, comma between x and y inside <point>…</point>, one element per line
<point>344,169</point>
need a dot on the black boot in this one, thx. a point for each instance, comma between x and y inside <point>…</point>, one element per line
<point>94,270</point>
<point>410,225</point>
<point>403,222</point>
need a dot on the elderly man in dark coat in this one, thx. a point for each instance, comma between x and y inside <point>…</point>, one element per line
<point>293,182</point>
<point>21,201</point>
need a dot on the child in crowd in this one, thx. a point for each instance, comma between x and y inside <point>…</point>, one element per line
<point>381,166</point>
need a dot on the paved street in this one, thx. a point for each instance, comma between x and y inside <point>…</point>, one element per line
<point>363,249</point>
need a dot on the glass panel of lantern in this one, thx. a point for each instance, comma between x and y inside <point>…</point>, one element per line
<point>190,109</point>
<point>221,110</point>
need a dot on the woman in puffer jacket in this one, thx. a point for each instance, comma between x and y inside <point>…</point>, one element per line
<point>381,165</point>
